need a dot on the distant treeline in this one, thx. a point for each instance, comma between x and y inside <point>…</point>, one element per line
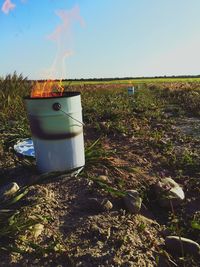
<point>127,78</point>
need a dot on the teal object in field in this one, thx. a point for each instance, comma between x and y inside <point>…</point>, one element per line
<point>131,90</point>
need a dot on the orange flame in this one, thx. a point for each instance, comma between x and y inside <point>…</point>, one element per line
<point>47,89</point>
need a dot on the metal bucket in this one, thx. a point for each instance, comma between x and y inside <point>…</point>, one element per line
<point>131,90</point>
<point>57,132</point>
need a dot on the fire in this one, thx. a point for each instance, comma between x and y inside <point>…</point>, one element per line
<point>47,89</point>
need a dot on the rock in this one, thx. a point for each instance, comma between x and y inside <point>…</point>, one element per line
<point>104,178</point>
<point>175,244</point>
<point>106,205</point>
<point>132,201</point>
<point>37,230</point>
<point>97,205</point>
<point>169,192</point>
<point>8,190</point>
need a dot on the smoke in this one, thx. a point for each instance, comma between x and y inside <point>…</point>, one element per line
<point>62,36</point>
<point>7,6</point>
<point>67,17</point>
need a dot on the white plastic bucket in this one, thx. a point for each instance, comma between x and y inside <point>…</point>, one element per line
<point>57,132</point>
<point>131,90</point>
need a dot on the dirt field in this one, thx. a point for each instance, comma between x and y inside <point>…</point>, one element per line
<point>132,142</point>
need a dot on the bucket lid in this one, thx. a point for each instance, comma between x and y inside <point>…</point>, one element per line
<point>25,148</point>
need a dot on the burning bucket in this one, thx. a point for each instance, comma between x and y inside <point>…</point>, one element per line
<point>57,131</point>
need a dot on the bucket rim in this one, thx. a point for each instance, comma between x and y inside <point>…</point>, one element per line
<point>65,94</point>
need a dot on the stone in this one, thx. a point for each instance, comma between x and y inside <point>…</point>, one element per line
<point>104,178</point>
<point>176,244</point>
<point>37,230</point>
<point>8,190</point>
<point>98,205</point>
<point>169,193</point>
<point>132,201</point>
<point>106,205</point>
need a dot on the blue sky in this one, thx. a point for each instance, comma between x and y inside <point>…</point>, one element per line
<point>105,38</point>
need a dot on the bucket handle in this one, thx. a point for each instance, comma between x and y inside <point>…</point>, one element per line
<point>57,107</point>
<point>83,124</point>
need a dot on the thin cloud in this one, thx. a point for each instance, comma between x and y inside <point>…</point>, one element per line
<point>7,6</point>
